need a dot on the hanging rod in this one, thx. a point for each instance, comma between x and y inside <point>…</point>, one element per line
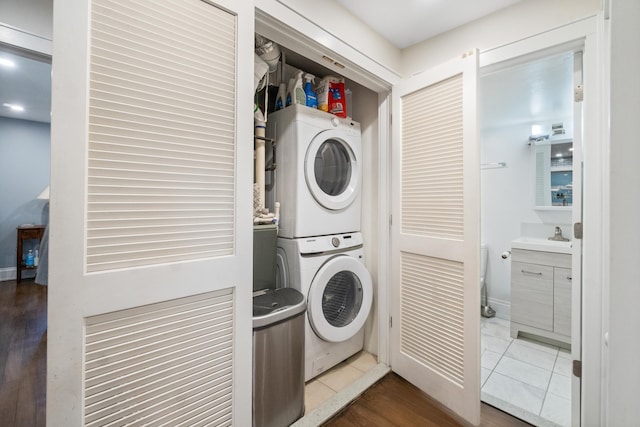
<point>495,165</point>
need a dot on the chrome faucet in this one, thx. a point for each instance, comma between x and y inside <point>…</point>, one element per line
<point>557,236</point>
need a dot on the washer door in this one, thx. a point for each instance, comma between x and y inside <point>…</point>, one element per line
<point>332,170</point>
<point>339,299</point>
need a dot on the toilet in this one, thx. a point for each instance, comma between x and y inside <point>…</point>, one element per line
<point>485,309</point>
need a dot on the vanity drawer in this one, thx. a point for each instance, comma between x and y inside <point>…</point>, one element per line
<point>542,258</point>
<point>532,295</point>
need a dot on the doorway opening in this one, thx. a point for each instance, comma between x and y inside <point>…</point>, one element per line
<point>530,195</point>
<point>25,116</point>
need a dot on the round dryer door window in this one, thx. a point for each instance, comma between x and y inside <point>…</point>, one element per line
<point>332,171</point>
<point>339,299</point>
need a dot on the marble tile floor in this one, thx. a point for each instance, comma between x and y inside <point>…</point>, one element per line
<point>528,379</point>
<point>326,385</point>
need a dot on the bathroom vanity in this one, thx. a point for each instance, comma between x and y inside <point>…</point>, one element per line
<point>541,288</point>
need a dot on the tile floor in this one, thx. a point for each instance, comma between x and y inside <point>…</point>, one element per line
<point>529,376</point>
<point>326,385</point>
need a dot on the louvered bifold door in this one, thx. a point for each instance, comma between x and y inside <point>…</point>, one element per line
<point>151,231</point>
<point>435,228</point>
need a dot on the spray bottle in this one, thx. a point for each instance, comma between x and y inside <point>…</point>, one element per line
<point>300,97</point>
<point>311,99</point>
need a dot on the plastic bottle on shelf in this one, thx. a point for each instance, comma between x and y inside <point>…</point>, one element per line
<point>281,98</point>
<point>36,259</point>
<point>299,96</point>
<point>311,99</point>
<point>290,93</point>
<point>29,259</point>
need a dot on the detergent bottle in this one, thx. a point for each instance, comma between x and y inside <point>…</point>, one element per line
<point>311,99</point>
<point>290,91</point>
<point>281,98</point>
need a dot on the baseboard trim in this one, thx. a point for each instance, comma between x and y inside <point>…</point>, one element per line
<point>502,308</point>
<point>8,273</point>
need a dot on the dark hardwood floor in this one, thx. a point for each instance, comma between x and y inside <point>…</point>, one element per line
<point>394,402</point>
<point>23,353</point>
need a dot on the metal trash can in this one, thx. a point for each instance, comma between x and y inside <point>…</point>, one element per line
<point>278,357</point>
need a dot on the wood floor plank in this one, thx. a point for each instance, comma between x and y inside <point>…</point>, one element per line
<point>23,354</point>
<point>395,402</point>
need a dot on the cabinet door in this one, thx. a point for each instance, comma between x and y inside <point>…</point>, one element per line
<point>532,295</point>
<point>562,301</point>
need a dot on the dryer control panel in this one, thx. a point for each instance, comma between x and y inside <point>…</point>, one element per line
<point>346,125</point>
<point>319,244</point>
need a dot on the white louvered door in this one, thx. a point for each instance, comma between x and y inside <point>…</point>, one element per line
<point>151,231</point>
<point>435,235</point>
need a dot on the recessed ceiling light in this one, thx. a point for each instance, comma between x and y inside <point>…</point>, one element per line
<point>559,155</point>
<point>14,107</point>
<point>7,63</point>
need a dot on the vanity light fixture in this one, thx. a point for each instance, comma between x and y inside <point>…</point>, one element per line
<point>14,107</point>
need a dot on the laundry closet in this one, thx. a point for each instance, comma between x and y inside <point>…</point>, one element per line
<point>320,189</point>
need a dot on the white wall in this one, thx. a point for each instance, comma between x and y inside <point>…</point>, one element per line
<point>24,172</point>
<point>524,19</point>
<point>507,205</point>
<point>624,254</point>
<point>31,16</point>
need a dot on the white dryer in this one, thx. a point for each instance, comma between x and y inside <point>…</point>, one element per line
<point>318,173</point>
<point>330,272</point>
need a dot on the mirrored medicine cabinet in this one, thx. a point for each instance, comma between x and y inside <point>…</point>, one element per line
<point>553,174</point>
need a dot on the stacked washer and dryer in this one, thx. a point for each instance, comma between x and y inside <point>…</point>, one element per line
<point>320,248</point>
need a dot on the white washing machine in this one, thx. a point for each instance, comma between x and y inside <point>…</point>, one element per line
<point>318,174</point>
<point>330,272</point>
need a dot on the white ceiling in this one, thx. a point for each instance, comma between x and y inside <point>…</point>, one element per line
<point>537,91</point>
<point>406,22</point>
<point>28,84</point>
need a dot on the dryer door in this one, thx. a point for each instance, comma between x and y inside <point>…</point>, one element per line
<point>332,169</point>
<point>339,299</point>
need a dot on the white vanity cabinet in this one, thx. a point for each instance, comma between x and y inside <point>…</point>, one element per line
<point>541,294</point>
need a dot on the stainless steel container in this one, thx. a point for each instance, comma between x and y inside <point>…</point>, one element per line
<point>278,357</point>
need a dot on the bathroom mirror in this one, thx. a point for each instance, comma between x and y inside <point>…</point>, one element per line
<point>553,174</point>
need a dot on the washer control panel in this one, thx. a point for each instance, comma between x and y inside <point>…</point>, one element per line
<point>314,245</point>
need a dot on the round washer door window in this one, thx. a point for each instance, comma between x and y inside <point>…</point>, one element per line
<point>332,170</point>
<point>339,299</point>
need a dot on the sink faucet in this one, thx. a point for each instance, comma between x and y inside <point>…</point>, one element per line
<point>557,236</point>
